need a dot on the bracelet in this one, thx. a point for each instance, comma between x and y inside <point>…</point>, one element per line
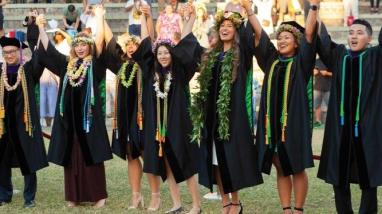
<point>251,14</point>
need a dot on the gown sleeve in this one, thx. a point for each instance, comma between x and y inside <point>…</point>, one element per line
<point>113,56</point>
<point>188,53</point>
<point>144,56</point>
<point>307,56</point>
<point>34,68</point>
<point>265,52</point>
<point>328,50</point>
<point>52,59</point>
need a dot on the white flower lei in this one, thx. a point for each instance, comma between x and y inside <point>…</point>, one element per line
<point>167,85</point>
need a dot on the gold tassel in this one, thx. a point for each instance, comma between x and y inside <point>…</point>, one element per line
<point>157,135</point>
<point>266,129</point>
<point>140,121</point>
<point>160,154</point>
<point>2,112</point>
<point>283,135</point>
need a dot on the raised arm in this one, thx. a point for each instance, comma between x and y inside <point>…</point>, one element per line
<point>146,10</point>
<point>252,19</point>
<point>49,57</point>
<point>99,13</point>
<point>144,30</point>
<point>310,24</point>
<point>40,22</point>
<point>190,16</point>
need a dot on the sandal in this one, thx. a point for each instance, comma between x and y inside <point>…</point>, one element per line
<point>300,209</point>
<point>241,207</point>
<point>287,208</point>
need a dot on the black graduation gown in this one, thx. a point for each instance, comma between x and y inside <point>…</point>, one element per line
<point>296,153</point>
<point>95,144</point>
<point>29,150</point>
<point>181,154</point>
<point>345,158</point>
<point>128,129</point>
<point>237,157</point>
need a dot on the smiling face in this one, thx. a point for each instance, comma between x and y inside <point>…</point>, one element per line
<point>131,47</point>
<point>11,55</point>
<point>227,31</point>
<point>82,50</point>
<point>163,56</point>
<point>286,44</point>
<point>358,37</point>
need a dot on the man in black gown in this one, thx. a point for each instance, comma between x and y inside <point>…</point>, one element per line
<point>18,147</point>
<point>352,148</point>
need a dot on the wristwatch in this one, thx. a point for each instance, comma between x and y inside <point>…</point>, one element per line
<point>314,7</point>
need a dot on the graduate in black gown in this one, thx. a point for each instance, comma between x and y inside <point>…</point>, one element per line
<point>79,137</point>
<point>221,120</point>
<point>284,130</point>
<point>352,146</point>
<point>21,142</point>
<point>127,138</point>
<point>167,70</point>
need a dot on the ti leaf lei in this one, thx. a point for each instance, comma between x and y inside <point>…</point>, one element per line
<point>122,74</point>
<point>197,110</point>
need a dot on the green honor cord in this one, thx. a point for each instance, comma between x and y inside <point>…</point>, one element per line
<point>342,112</point>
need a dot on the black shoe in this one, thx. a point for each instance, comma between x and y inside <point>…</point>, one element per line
<point>3,203</point>
<point>177,211</point>
<point>29,204</point>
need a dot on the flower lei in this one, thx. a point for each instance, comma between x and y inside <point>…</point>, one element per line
<point>122,74</point>
<point>5,78</point>
<point>167,84</point>
<point>197,109</point>
<point>234,17</point>
<point>21,78</point>
<point>76,76</point>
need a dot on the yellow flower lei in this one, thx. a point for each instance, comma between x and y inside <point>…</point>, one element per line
<point>79,73</point>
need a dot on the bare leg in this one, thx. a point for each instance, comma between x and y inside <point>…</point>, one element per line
<point>300,187</point>
<point>154,182</point>
<point>174,188</point>
<point>284,186</point>
<point>192,184</point>
<point>226,201</point>
<point>318,114</point>
<point>135,175</point>
<point>236,203</point>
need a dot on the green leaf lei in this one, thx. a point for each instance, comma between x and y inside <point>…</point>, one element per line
<point>122,74</point>
<point>197,109</point>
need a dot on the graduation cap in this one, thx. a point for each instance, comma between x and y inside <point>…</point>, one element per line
<point>8,41</point>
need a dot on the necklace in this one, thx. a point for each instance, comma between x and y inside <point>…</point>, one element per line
<point>167,84</point>
<point>76,76</point>
<point>122,74</point>
<point>8,87</point>
<point>161,129</point>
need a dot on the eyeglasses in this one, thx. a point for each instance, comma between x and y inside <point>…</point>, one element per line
<point>11,52</point>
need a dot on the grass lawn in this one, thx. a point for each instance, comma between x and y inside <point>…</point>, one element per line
<point>260,199</point>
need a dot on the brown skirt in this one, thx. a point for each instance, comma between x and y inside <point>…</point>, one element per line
<point>84,183</point>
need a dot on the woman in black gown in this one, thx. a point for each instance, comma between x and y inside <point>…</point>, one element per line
<point>219,112</point>
<point>79,138</point>
<point>284,130</point>
<point>168,151</point>
<point>127,142</point>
